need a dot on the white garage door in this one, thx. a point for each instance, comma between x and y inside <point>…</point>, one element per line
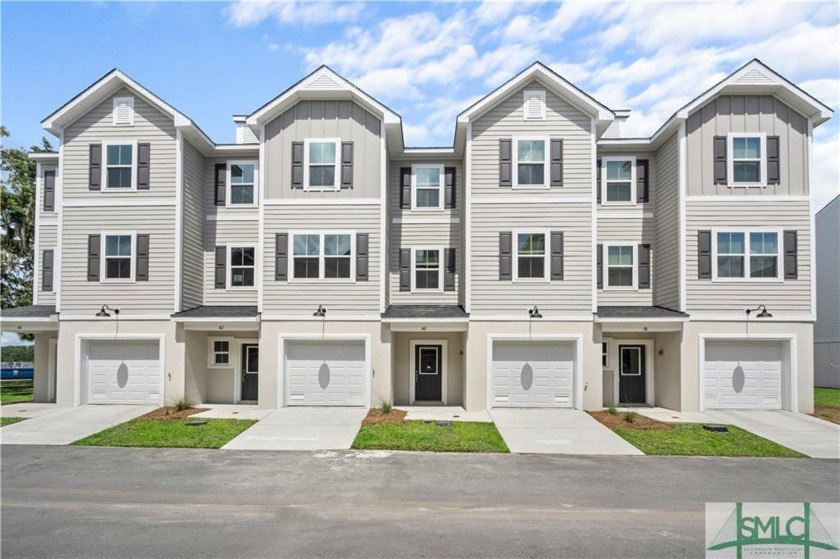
<point>326,373</point>
<point>532,374</point>
<point>743,375</point>
<point>123,372</point>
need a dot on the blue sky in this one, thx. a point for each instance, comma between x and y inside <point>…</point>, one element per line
<point>427,61</point>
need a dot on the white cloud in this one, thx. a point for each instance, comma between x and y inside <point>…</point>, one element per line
<point>10,338</point>
<point>825,184</point>
<point>244,13</point>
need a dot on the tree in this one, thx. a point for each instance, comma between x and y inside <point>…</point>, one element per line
<point>23,353</point>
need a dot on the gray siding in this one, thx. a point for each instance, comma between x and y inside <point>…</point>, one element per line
<point>827,328</point>
<point>192,288</point>
<point>324,119</point>
<point>633,230</point>
<point>750,113</point>
<point>47,241</point>
<point>665,192</point>
<point>209,190</point>
<point>223,233</point>
<point>40,180</point>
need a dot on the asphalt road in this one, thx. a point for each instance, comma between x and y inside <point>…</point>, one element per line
<point>100,502</point>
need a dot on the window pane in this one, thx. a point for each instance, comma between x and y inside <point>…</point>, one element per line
<point>531,174</point>
<point>427,279</point>
<point>428,198</point>
<point>427,259</point>
<point>620,256</point>
<point>730,266</point>
<point>236,256</point>
<point>764,243</point>
<point>119,155</point>
<point>530,267</point>
<point>620,277</point>
<point>241,194</point>
<point>746,171</point>
<point>531,243</point>
<point>746,148</point>
<point>222,359</point>
<point>322,153</point>
<point>337,245</point>
<point>763,267</point>
<point>118,245</point>
<point>306,268</point>
<point>427,176</point>
<point>322,176</point>
<point>220,346</point>
<point>248,256</point>
<point>730,243</point>
<point>119,177</point>
<point>242,174</point>
<point>307,245</point>
<point>530,150</point>
<point>118,268</point>
<point>619,192</point>
<point>619,170</point>
<point>242,277</point>
<point>337,267</point>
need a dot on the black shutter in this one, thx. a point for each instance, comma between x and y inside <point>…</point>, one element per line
<point>221,183</point>
<point>449,271</point>
<point>221,267</point>
<point>297,164</point>
<point>346,164</point>
<point>49,191</point>
<point>556,163</point>
<point>405,187</point>
<point>598,181</point>
<point>600,268</point>
<point>791,255</point>
<point>704,255</point>
<point>720,159</point>
<point>405,269</point>
<point>505,256</point>
<point>142,272</point>
<point>94,247</point>
<point>642,181</point>
<point>281,257</point>
<point>362,257</point>
<point>644,267</point>
<point>95,167</point>
<point>144,152</point>
<point>450,193</point>
<point>556,255</point>
<point>773,162</point>
<point>505,163</point>
<point>47,271</point>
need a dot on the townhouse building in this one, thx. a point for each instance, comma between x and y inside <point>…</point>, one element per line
<point>543,260</point>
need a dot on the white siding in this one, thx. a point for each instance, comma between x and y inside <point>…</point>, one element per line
<point>827,328</point>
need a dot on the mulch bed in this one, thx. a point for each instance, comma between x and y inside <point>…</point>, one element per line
<point>619,421</point>
<point>169,412</point>
<point>376,416</point>
<point>829,413</point>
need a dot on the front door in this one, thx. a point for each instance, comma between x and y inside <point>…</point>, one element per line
<point>250,371</point>
<point>631,380</point>
<point>428,373</point>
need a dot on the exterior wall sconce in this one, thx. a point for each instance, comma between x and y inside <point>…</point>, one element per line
<point>762,314</point>
<point>534,313</point>
<point>321,312</point>
<point>105,314</point>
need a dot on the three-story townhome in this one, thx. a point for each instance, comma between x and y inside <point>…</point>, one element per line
<point>543,260</point>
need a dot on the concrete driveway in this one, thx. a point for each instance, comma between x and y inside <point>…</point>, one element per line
<point>309,428</point>
<point>59,426</point>
<point>811,436</point>
<point>547,431</point>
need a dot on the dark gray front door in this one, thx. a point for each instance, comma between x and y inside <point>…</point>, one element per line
<point>632,374</point>
<point>250,371</point>
<point>428,373</point>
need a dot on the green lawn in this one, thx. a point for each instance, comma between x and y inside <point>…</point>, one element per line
<point>461,436</point>
<point>169,433</point>
<point>829,397</point>
<point>15,391</point>
<point>9,420</point>
<point>693,440</point>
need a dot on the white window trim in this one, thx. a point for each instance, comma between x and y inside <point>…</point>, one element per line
<point>632,160</point>
<point>228,198</point>
<point>635,267</point>
<point>321,279</point>
<point>337,185</point>
<point>441,189</point>
<point>116,101</point>
<point>641,366</point>
<point>441,266</point>
<point>525,94</point>
<point>133,144</point>
<point>780,260</point>
<point>730,162</point>
<point>515,161</point>
<point>211,352</point>
<point>229,271</point>
<point>515,255</point>
<point>605,353</point>
<point>103,258</point>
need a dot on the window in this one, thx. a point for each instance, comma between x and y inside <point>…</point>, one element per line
<point>427,270</point>
<point>530,255</point>
<point>747,161</point>
<point>123,111</point>
<point>241,181</point>
<point>119,166</point>
<point>747,255</point>
<point>322,256</point>
<point>427,181</point>
<point>321,167</point>
<point>621,272</point>
<point>531,162</point>
<point>619,180</point>
<point>242,267</point>
<point>219,352</point>
<point>534,104</point>
<point>117,262</point>
<point>605,362</point>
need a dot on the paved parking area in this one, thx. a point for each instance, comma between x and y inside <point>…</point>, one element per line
<point>309,428</point>
<point>60,426</point>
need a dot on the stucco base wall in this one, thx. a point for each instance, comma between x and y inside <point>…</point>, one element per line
<point>827,364</point>
<point>403,375</point>
<point>214,385</point>
<point>43,367</point>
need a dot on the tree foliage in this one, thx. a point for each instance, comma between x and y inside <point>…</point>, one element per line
<point>22,353</point>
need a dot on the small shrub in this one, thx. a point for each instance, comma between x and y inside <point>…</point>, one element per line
<point>611,410</point>
<point>629,417</point>
<point>182,404</point>
<point>385,406</point>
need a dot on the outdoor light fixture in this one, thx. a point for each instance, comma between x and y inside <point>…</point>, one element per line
<point>762,314</point>
<point>534,313</point>
<point>321,312</point>
<point>105,314</point>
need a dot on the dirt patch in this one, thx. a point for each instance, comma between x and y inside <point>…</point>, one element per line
<point>619,421</point>
<point>377,416</point>
<point>169,412</point>
<point>828,413</point>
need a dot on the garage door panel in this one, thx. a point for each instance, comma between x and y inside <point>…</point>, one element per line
<point>743,375</point>
<point>532,374</point>
<point>123,372</point>
<point>331,373</point>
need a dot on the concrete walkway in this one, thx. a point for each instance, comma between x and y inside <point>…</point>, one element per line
<point>59,426</point>
<point>548,431</point>
<point>443,413</point>
<point>811,436</point>
<point>305,428</point>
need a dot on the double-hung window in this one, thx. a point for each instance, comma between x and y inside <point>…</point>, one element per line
<point>747,159</point>
<point>530,255</point>
<point>322,256</point>
<point>619,180</point>
<point>241,183</point>
<point>118,261</point>
<point>428,271</point>
<point>621,268</point>
<point>219,352</point>
<point>747,255</point>
<point>321,164</point>
<point>531,162</point>
<point>242,267</point>
<point>119,166</point>
<point>428,184</point>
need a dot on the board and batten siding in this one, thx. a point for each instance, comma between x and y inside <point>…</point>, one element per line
<point>324,119</point>
<point>788,296</point>
<point>747,113</point>
<point>635,231</point>
<point>665,189</point>
<point>827,223</point>
<point>192,259</point>
<point>223,233</point>
<point>47,240</point>
<point>150,125</point>
<point>79,296</point>
<point>302,297</point>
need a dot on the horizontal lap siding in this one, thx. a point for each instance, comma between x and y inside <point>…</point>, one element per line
<point>827,328</point>
<point>633,231</point>
<point>79,296</point>
<point>96,126</point>
<point>791,296</point>
<point>223,233</point>
<point>282,297</point>
<point>666,266</point>
<point>47,241</point>
<point>192,289</point>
